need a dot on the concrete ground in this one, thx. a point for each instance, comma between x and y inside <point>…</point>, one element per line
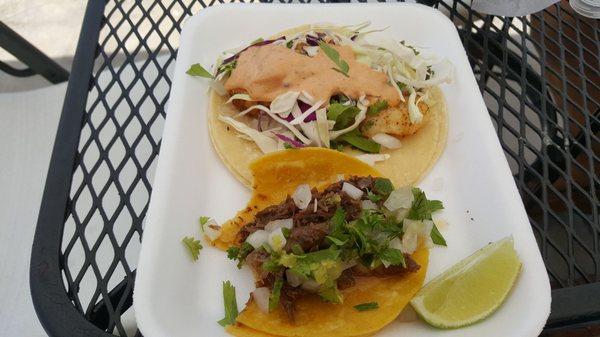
<point>28,121</point>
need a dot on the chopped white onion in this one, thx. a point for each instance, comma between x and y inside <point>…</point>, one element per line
<point>387,141</point>
<point>371,159</point>
<point>302,196</point>
<point>285,223</point>
<point>276,239</point>
<point>310,286</point>
<point>368,204</point>
<point>311,50</point>
<point>400,198</point>
<point>353,191</point>
<point>413,230</point>
<point>213,231</point>
<point>395,243</point>
<point>257,238</point>
<point>265,143</point>
<point>261,298</point>
<point>401,214</point>
<point>284,103</point>
<point>292,278</point>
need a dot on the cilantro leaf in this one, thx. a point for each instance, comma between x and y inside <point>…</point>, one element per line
<point>343,115</point>
<point>338,218</point>
<point>198,70</point>
<point>230,304</point>
<point>233,252</point>
<point>239,253</point>
<point>367,306</point>
<point>342,66</point>
<point>289,44</point>
<point>383,186</point>
<point>361,143</point>
<point>393,256</point>
<point>193,246</point>
<point>376,107</point>
<point>437,237</point>
<point>422,207</point>
<point>275,294</point>
<point>331,294</point>
<point>260,39</point>
<point>204,220</point>
<point>287,146</point>
<point>227,68</point>
<point>336,241</point>
<point>373,197</point>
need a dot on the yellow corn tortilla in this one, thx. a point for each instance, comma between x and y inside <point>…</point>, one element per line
<point>277,175</point>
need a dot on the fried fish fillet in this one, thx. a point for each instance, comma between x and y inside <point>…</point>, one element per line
<point>393,121</point>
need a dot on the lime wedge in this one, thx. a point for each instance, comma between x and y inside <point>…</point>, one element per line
<point>470,290</point>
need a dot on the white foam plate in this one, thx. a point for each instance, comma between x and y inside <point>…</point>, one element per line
<point>175,297</point>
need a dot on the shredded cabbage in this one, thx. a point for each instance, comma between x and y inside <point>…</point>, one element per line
<point>265,143</point>
<point>243,97</point>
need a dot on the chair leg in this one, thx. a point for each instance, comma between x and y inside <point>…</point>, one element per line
<point>36,61</point>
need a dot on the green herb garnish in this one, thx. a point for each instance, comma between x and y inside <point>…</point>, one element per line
<point>422,208</point>
<point>393,256</point>
<point>383,186</point>
<point>230,304</point>
<point>289,44</point>
<point>193,246</point>
<point>275,294</point>
<point>376,107</point>
<point>342,66</point>
<point>361,143</point>
<point>343,115</point>
<point>366,306</point>
<point>239,253</point>
<point>260,39</point>
<point>198,70</point>
<point>288,146</point>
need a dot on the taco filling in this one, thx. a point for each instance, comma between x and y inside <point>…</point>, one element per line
<point>328,86</point>
<point>318,243</point>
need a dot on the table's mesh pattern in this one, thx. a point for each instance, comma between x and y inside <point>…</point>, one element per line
<point>546,113</point>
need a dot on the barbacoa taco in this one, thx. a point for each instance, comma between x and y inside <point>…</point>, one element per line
<point>334,247</point>
<point>328,86</point>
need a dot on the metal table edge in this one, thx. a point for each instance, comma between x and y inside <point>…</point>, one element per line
<point>54,309</point>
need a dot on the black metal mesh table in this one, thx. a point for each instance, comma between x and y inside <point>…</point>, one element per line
<point>539,76</point>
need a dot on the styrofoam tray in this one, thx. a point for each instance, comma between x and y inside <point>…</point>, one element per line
<point>175,297</point>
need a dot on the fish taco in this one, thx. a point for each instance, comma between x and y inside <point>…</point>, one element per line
<point>335,249</point>
<point>329,86</point>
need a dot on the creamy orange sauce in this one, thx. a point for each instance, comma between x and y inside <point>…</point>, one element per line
<point>266,72</point>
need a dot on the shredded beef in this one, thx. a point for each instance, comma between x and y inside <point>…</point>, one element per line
<point>283,210</point>
<point>255,261</point>
<point>346,280</point>
<point>309,236</point>
<point>364,183</point>
<point>288,298</point>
